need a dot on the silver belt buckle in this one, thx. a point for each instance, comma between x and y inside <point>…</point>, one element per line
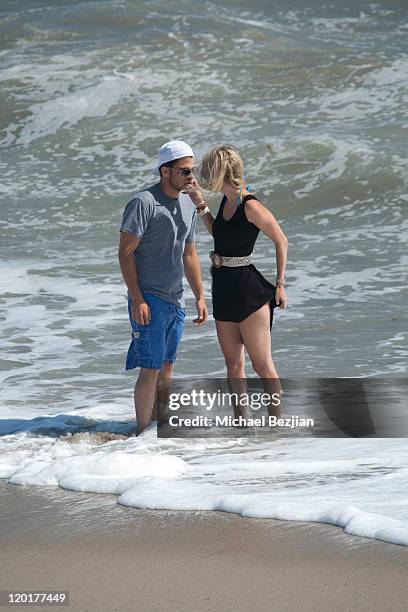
<point>216,259</point>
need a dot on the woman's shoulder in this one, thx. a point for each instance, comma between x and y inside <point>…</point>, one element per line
<point>251,202</point>
<point>249,197</point>
<point>253,207</point>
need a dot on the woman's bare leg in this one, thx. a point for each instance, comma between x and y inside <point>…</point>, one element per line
<point>232,346</point>
<point>256,335</point>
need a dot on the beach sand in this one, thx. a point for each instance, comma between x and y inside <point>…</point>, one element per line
<point>114,558</point>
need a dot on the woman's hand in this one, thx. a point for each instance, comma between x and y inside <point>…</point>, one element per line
<point>195,192</point>
<point>280,296</point>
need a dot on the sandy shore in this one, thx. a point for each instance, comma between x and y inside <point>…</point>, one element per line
<point>113,558</point>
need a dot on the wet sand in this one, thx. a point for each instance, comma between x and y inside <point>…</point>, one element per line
<point>113,558</point>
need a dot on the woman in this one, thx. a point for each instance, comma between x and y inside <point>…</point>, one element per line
<point>243,300</point>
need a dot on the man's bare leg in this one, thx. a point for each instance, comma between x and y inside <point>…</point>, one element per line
<point>163,391</point>
<point>144,395</point>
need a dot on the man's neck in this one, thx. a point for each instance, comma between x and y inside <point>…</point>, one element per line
<point>169,191</point>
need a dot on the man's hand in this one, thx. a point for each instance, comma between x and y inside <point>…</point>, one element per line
<point>141,311</point>
<point>202,311</point>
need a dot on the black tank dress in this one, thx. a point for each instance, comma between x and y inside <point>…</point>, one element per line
<point>238,292</point>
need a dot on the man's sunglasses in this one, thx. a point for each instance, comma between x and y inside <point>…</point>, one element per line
<point>182,171</point>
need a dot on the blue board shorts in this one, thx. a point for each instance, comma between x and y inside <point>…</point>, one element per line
<point>154,344</point>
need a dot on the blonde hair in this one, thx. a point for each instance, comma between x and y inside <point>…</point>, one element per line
<point>222,165</point>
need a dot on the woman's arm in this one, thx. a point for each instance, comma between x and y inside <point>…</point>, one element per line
<point>207,217</point>
<point>195,193</point>
<point>260,216</point>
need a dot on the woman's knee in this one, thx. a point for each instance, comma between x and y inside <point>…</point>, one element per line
<point>235,367</point>
<point>264,368</point>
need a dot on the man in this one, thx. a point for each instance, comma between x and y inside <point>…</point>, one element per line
<point>156,247</point>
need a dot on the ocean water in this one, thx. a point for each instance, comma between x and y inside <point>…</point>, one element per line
<point>314,96</point>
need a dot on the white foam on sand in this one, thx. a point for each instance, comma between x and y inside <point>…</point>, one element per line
<point>358,485</point>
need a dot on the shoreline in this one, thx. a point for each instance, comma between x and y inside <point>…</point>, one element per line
<point>111,557</point>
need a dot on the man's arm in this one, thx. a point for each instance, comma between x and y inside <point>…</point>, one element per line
<point>192,271</point>
<point>127,246</point>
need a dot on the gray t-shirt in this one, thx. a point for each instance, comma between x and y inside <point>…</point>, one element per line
<point>164,225</point>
